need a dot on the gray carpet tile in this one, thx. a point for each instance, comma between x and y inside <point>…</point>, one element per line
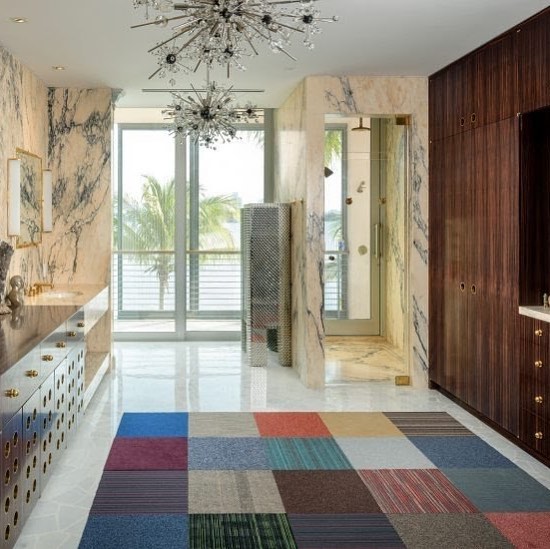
<point>227,454</point>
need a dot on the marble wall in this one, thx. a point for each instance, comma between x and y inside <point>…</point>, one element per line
<point>79,151</point>
<point>24,125</point>
<point>71,131</point>
<point>300,124</point>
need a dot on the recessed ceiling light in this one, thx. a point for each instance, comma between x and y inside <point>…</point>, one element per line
<point>58,68</point>
<point>18,19</point>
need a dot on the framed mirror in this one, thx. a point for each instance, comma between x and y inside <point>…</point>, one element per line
<point>31,199</point>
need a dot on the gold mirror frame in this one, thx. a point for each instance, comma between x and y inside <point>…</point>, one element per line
<point>31,199</point>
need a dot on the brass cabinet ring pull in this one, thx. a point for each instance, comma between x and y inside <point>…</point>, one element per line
<point>538,332</point>
<point>473,289</point>
<point>538,435</point>
<point>71,334</point>
<point>462,286</point>
<point>47,358</point>
<point>32,373</point>
<point>12,393</point>
<point>473,118</point>
<point>538,363</point>
<point>80,324</point>
<point>60,344</point>
<point>539,399</point>
<point>462,121</point>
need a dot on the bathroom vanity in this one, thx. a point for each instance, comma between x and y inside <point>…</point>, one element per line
<point>53,353</point>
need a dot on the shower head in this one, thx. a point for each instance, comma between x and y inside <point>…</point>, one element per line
<point>360,128</point>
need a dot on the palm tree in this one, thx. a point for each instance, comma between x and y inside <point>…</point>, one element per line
<point>149,226</point>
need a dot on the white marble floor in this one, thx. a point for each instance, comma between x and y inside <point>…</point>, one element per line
<point>200,377</point>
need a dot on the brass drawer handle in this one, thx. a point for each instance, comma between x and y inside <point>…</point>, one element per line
<point>12,393</point>
<point>462,121</point>
<point>538,332</point>
<point>80,324</point>
<point>538,435</point>
<point>71,334</point>
<point>473,118</point>
<point>60,344</point>
<point>538,363</point>
<point>473,289</point>
<point>539,399</point>
<point>32,373</point>
<point>47,358</point>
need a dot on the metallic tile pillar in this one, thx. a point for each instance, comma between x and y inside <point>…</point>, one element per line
<point>265,244</point>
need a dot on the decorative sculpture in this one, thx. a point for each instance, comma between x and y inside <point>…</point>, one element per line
<point>6,251</point>
<point>17,293</point>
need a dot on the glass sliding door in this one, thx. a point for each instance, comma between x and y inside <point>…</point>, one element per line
<point>144,229</point>
<point>176,246</point>
<point>221,181</point>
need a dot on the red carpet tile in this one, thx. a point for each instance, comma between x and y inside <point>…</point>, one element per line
<point>147,454</point>
<point>524,530</point>
<point>291,424</point>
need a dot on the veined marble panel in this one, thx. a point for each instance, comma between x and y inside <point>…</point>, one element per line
<point>304,113</point>
<point>23,124</point>
<point>78,249</point>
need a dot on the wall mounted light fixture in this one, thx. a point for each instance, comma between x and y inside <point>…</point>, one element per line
<point>47,218</point>
<point>14,197</point>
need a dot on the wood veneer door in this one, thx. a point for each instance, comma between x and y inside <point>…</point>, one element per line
<point>494,82</point>
<point>497,265</point>
<point>534,63</point>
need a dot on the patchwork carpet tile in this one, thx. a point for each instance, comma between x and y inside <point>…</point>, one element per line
<point>227,453</point>
<point>305,453</point>
<point>306,480</point>
<point>354,531</point>
<point>501,490</point>
<point>230,531</point>
<point>149,453</point>
<point>291,424</point>
<point>438,424</point>
<point>415,491</point>
<point>141,492</point>
<point>233,492</point>
<point>136,532</point>
<point>524,530</point>
<point>219,424</point>
<point>383,453</point>
<point>461,452</point>
<point>324,492</point>
<point>359,424</point>
<point>449,531</point>
<point>153,425</point>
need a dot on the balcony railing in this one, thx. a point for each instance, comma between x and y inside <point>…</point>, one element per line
<point>213,284</point>
<point>336,271</point>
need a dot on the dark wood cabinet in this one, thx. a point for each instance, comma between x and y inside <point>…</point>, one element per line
<point>534,62</point>
<point>535,384</point>
<point>475,91</point>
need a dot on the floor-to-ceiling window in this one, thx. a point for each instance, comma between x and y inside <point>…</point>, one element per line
<point>176,251</point>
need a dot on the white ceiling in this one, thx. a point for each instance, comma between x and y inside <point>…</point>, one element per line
<point>93,40</point>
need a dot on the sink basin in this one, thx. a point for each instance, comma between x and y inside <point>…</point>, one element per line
<point>62,294</point>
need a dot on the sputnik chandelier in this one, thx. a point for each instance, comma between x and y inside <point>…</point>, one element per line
<point>208,119</point>
<point>223,32</point>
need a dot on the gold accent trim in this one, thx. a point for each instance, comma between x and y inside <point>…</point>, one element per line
<point>402,380</point>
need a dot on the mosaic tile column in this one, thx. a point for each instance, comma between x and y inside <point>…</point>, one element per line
<point>266,282</point>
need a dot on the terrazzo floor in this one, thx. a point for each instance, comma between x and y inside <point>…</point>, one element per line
<point>149,377</point>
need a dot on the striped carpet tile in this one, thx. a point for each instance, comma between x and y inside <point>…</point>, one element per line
<point>358,531</point>
<point>236,531</point>
<point>415,491</point>
<point>305,454</point>
<point>141,492</point>
<point>427,424</point>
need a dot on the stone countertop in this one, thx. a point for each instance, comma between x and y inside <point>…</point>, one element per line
<point>83,294</point>
<point>26,327</point>
<point>537,312</point>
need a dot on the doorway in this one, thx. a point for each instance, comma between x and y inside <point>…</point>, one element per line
<point>364,268</point>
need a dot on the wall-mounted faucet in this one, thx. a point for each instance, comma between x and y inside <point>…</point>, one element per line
<point>361,187</point>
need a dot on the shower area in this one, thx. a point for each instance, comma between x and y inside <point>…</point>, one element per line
<point>365,233</point>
